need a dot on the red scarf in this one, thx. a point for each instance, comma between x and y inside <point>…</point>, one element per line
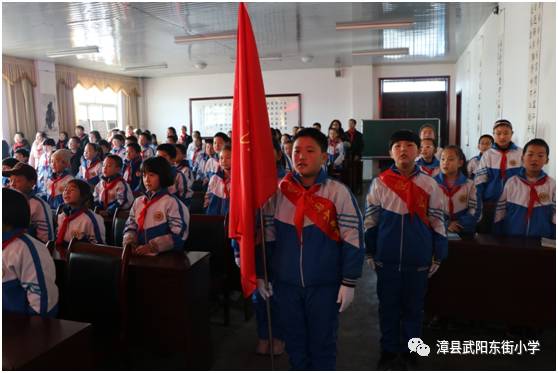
<point>321,211</point>
<point>351,133</point>
<point>450,192</point>
<point>12,239</point>
<point>334,143</point>
<point>503,163</point>
<point>196,151</point>
<point>415,198</point>
<point>533,195</point>
<point>143,212</point>
<point>427,170</point>
<point>87,169</point>
<point>108,187</point>
<point>65,223</point>
<point>226,187</point>
<point>53,185</point>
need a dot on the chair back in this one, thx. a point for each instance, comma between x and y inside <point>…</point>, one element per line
<point>118,224</point>
<point>196,206</point>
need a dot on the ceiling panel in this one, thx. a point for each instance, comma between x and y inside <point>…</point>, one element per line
<point>132,34</point>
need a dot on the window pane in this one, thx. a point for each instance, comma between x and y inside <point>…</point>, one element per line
<point>414,86</point>
<point>82,112</point>
<point>109,112</point>
<point>95,112</point>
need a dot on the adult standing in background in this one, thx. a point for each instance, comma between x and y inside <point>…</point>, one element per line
<point>82,136</point>
<point>336,123</point>
<point>356,140</point>
<point>184,138</point>
<point>129,131</point>
<point>37,149</point>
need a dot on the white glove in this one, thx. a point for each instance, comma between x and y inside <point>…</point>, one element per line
<point>264,292</point>
<point>433,268</point>
<point>371,264</point>
<point>345,297</point>
<point>237,261</point>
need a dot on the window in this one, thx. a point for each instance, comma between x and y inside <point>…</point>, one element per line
<point>98,110</point>
<point>414,85</point>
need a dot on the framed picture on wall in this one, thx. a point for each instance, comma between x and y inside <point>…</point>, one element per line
<point>210,115</point>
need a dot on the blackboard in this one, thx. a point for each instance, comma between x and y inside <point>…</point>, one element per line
<point>377,132</point>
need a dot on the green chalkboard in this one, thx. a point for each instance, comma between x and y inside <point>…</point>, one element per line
<point>378,131</point>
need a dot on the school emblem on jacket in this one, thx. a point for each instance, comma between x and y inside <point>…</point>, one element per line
<point>513,162</point>
<point>463,198</point>
<point>544,197</point>
<point>158,216</point>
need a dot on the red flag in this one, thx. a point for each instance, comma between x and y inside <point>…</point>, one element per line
<point>253,173</point>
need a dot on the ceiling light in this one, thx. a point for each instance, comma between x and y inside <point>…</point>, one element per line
<point>307,59</point>
<point>382,52</point>
<point>200,65</point>
<point>373,25</point>
<point>146,67</point>
<point>73,51</point>
<point>205,37</point>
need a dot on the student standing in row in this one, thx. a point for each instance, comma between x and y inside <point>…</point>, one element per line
<point>485,142</point>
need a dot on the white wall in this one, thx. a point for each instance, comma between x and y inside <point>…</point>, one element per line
<point>323,96</point>
<point>477,78</point>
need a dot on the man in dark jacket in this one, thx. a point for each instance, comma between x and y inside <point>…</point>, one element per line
<point>355,138</point>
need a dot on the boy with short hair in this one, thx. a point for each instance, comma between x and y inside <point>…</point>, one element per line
<point>132,164</point>
<point>201,169</point>
<point>28,272</point>
<point>7,164</point>
<point>218,190</point>
<point>145,143</point>
<point>23,179</point>
<point>485,142</point>
<point>82,136</point>
<point>527,206</point>
<point>58,178</point>
<point>179,188</point>
<point>112,192</point>
<point>22,155</point>
<point>427,161</point>
<point>77,152</point>
<point>403,204</point>
<point>314,241</point>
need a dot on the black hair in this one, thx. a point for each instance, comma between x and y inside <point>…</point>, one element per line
<point>138,131</point>
<point>352,120</point>
<point>10,162</point>
<point>486,137</point>
<point>182,148</point>
<point>227,147</point>
<point>43,134</point>
<point>115,158</point>
<point>148,131</point>
<point>167,148</point>
<point>173,130</point>
<point>104,143</point>
<point>537,142</point>
<point>317,124</point>
<point>225,138</point>
<point>96,134</point>
<point>434,142</point>
<point>119,137</point>
<point>15,209</point>
<point>49,142</point>
<point>208,141</point>
<point>461,157</point>
<point>23,152</point>
<point>313,133</point>
<point>147,136</point>
<point>85,192</point>
<point>404,135</point>
<point>135,146</point>
<point>427,125</point>
<point>19,133</point>
<point>502,122</point>
<point>80,127</point>
<point>96,147</point>
<point>173,137</point>
<point>65,133</point>
<point>132,139</point>
<point>74,138</point>
<point>161,167</point>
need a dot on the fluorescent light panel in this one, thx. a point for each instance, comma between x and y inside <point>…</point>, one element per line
<point>73,51</point>
<point>205,37</point>
<point>373,25</point>
<point>382,52</point>
<point>146,67</point>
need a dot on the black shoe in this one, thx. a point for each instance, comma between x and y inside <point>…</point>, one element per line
<point>387,360</point>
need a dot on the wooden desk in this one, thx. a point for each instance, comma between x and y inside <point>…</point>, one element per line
<point>511,279</point>
<point>169,305</point>
<point>37,343</point>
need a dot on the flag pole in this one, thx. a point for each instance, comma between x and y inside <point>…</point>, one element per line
<point>267,301</point>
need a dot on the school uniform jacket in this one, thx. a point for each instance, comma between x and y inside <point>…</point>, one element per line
<point>118,196</point>
<point>487,175</point>
<point>184,167</point>
<point>431,169</point>
<point>121,152</point>
<point>180,184</point>
<point>147,152</point>
<point>211,167</point>
<point>90,171</point>
<point>55,185</point>
<point>41,225</point>
<point>316,259</point>
<point>219,194</point>
<point>165,224</point>
<point>396,239</point>
<point>88,226</point>
<point>28,276</point>
<point>467,204</point>
<point>43,171</point>
<point>511,217</point>
<point>336,154</point>
<point>472,165</point>
<point>132,173</point>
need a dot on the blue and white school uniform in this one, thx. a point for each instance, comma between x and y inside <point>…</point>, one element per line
<point>43,171</point>
<point>121,152</point>
<point>88,226</point>
<point>118,195</point>
<point>211,167</point>
<point>431,168</point>
<point>472,165</point>
<point>336,154</point>
<point>184,168</point>
<point>179,187</point>
<point>218,191</point>
<point>41,225</point>
<point>55,186</point>
<point>91,171</point>
<point>403,247</point>
<point>147,152</point>
<point>487,176</point>
<point>465,206</point>
<point>165,225</point>
<point>132,173</point>
<point>28,276</point>
<point>512,211</point>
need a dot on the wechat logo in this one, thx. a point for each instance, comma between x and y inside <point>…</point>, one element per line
<point>418,346</point>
